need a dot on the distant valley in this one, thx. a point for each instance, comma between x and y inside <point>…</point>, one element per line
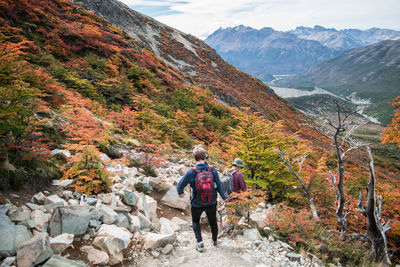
<point>371,72</point>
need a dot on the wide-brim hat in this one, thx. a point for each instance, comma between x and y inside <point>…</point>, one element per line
<point>238,162</point>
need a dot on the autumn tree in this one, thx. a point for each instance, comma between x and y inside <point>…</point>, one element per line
<point>391,133</point>
<point>84,131</point>
<point>255,141</point>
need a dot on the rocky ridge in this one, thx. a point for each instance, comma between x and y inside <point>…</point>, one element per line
<point>131,225</point>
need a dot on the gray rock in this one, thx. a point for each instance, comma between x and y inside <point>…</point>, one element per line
<point>5,208</point>
<point>58,261</point>
<point>63,183</point>
<point>95,256</point>
<point>113,240</point>
<point>134,223</point>
<point>61,242</point>
<point>8,261</point>
<point>91,201</point>
<point>122,221</point>
<point>39,198</point>
<point>144,222</point>
<point>167,249</point>
<point>252,234</point>
<point>18,216</point>
<point>184,225</point>
<point>293,257</point>
<point>130,198</point>
<point>22,234</point>
<point>153,240</point>
<point>171,199</point>
<point>31,206</point>
<point>55,199</point>
<point>28,223</point>
<point>66,153</point>
<point>51,206</point>
<point>109,215</point>
<point>94,224</point>
<point>71,219</point>
<point>166,228</point>
<point>34,251</point>
<point>73,202</point>
<point>85,237</point>
<point>7,233</point>
<point>68,194</point>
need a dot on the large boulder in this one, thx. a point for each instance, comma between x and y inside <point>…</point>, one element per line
<point>172,199</point>
<point>61,242</point>
<point>11,236</point>
<point>153,240</point>
<point>58,261</point>
<point>71,219</point>
<point>113,240</point>
<point>34,251</point>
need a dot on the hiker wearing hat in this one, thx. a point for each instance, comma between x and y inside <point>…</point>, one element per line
<point>239,185</point>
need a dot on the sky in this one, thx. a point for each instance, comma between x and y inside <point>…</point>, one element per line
<point>202,17</point>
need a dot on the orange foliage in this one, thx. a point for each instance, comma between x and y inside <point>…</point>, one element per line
<point>391,133</point>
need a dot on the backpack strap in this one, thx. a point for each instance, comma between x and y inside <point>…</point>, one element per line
<point>196,170</point>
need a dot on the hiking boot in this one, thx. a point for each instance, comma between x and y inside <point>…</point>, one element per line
<point>200,246</point>
<point>215,243</point>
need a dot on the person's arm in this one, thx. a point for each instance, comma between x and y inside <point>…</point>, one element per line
<point>241,182</point>
<point>184,182</point>
<point>220,186</point>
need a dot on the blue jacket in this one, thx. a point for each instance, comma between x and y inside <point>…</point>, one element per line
<point>189,178</point>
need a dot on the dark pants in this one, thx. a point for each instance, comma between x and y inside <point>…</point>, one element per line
<point>212,220</point>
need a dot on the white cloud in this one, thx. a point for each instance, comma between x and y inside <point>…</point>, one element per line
<point>202,17</point>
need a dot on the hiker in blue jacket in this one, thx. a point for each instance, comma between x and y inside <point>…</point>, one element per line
<point>204,181</point>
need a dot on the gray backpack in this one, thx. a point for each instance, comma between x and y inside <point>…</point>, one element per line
<point>227,180</point>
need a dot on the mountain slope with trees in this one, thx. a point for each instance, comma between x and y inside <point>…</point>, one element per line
<point>71,81</point>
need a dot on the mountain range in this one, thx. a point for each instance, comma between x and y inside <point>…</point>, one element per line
<point>265,52</point>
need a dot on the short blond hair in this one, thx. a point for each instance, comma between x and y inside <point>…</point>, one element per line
<point>199,153</point>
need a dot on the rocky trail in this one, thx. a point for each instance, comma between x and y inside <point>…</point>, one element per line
<point>142,222</point>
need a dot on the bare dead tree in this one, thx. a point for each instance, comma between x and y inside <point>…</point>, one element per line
<point>375,228</point>
<point>339,128</point>
<point>288,163</point>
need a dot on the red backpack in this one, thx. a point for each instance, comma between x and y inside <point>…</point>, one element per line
<point>204,186</point>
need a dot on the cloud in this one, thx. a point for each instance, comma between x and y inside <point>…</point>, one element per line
<point>202,17</point>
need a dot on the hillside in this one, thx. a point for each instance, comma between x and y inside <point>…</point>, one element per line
<point>199,62</point>
<point>86,106</point>
<point>372,72</point>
